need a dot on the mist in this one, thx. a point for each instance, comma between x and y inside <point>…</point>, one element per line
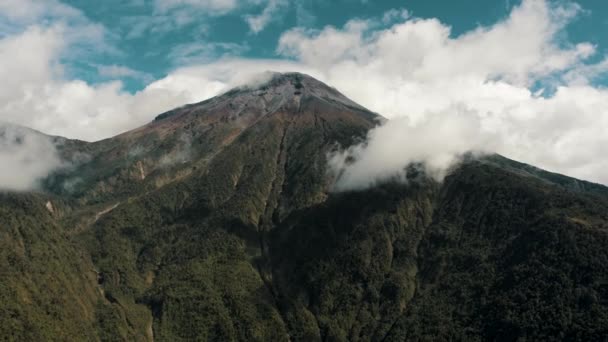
<point>26,157</point>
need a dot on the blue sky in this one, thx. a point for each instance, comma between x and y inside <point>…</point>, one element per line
<point>153,42</point>
<point>526,78</point>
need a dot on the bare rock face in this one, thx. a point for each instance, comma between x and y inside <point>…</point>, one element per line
<point>216,222</point>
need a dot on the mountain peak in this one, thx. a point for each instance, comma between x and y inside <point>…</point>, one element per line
<point>296,79</point>
<point>221,213</point>
<point>299,84</point>
<point>272,91</point>
<point>290,85</point>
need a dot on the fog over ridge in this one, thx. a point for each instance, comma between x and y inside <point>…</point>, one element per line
<point>26,158</point>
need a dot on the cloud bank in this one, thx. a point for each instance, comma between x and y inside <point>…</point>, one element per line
<point>479,91</point>
<point>515,87</point>
<point>437,142</point>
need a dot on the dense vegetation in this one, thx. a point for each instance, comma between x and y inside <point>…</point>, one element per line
<point>47,285</point>
<point>239,239</point>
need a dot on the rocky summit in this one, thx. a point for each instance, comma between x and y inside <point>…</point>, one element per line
<point>216,222</point>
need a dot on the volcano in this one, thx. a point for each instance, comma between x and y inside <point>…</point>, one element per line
<point>217,221</point>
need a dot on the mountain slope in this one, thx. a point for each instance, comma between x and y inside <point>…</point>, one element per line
<point>48,286</point>
<point>510,257</point>
<point>215,222</point>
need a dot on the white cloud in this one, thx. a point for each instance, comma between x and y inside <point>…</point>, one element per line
<point>439,140</point>
<point>327,47</point>
<point>419,75</point>
<point>204,52</point>
<point>138,26</point>
<point>304,16</point>
<point>196,83</point>
<point>189,10</point>
<point>270,13</point>
<point>26,157</point>
<point>394,15</point>
<point>583,74</point>
<point>217,6</point>
<point>36,94</point>
<point>31,11</point>
<point>518,49</point>
<point>27,58</point>
<point>444,94</point>
<point>120,71</point>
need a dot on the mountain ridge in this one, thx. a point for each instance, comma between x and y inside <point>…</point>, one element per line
<point>236,106</point>
<point>218,223</point>
<point>289,83</point>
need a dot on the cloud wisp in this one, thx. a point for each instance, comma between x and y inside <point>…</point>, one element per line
<point>120,71</point>
<point>258,22</point>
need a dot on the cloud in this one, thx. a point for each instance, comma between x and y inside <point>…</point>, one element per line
<point>270,13</point>
<point>304,16</point>
<point>214,6</point>
<point>444,94</point>
<point>17,16</point>
<point>190,10</point>
<point>164,17</point>
<point>584,74</point>
<point>138,26</point>
<point>516,50</point>
<point>27,58</point>
<point>438,141</point>
<point>421,76</point>
<point>120,71</point>
<point>31,11</point>
<point>324,48</point>
<point>26,157</point>
<point>204,52</point>
<point>36,94</point>
<point>198,82</point>
<point>395,15</point>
